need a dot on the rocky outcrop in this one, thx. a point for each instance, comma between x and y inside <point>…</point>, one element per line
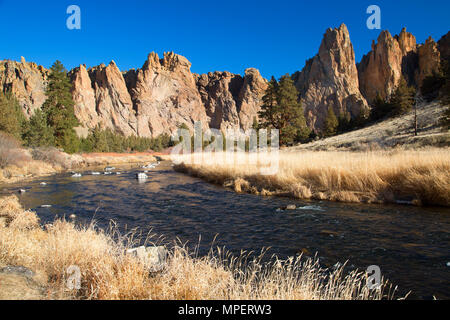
<point>83,95</point>
<point>232,101</point>
<point>165,95</point>
<point>113,102</point>
<point>250,97</point>
<point>330,80</point>
<point>26,81</point>
<point>219,92</point>
<point>390,59</point>
<point>429,59</point>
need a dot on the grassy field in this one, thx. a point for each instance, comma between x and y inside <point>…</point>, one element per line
<point>108,273</point>
<point>420,177</point>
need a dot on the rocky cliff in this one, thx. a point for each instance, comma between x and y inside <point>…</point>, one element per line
<point>381,69</point>
<point>27,81</point>
<point>164,93</point>
<point>393,57</point>
<point>330,80</point>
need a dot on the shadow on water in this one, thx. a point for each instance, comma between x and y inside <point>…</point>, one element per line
<point>411,245</point>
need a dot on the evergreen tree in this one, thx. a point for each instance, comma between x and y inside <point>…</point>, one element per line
<point>269,109</point>
<point>37,132</point>
<point>331,123</point>
<point>59,109</point>
<point>283,111</point>
<point>403,98</point>
<point>344,122</point>
<point>12,119</point>
<point>380,108</point>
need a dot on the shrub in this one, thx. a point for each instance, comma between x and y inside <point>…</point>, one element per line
<point>10,152</point>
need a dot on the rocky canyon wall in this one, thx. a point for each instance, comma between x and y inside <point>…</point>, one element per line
<point>164,93</point>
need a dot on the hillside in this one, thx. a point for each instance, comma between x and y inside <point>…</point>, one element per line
<point>390,133</point>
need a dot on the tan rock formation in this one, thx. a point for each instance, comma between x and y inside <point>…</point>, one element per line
<point>165,95</point>
<point>219,92</point>
<point>330,79</point>
<point>83,95</point>
<point>113,102</point>
<point>381,69</point>
<point>250,97</point>
<point>27,81</point>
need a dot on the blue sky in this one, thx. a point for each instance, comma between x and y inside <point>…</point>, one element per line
<point>276,37</point>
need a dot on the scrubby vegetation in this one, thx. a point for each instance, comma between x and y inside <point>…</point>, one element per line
<point>108,273</point>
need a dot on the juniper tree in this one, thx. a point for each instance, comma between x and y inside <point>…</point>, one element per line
<point>403,98</point>
<point>331,123</point>
<point>37,133</point>
<point>12,118</point>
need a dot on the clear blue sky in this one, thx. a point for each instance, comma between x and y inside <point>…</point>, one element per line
<point>274,36</point>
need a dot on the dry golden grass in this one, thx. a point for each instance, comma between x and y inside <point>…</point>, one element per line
<point>108,273</point>
<point>422,177</point>
<point>96,159</point>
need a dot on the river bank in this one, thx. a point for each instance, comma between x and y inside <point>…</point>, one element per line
<point>396,176</point>
<point>107,272</point>
<point>26,164</point>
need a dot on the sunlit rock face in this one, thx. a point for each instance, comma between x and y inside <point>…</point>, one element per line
<point>382,68</point>
<point>164,94</point>
<point>26,81</point>
<point>330,80</point>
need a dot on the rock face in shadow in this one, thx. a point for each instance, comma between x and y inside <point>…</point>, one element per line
<point>429,59</point>
<point>444,46</point>
<point>26,81</point>
<point>330,80</point>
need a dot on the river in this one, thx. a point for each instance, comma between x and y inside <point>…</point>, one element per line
<point>409,244</point>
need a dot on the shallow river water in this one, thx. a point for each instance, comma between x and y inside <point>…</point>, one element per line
<point>409,244</point>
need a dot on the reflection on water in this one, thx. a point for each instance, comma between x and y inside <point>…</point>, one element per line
<point>411,245</point>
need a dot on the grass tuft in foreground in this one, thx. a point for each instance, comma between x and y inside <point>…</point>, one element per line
<point>108,273</point>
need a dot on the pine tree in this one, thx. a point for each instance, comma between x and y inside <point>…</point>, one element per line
<point>282,110</point>
<point>331,123</point>
<point>12,118</point>
<point>59,109</point>
<point>269,109</point>
<point>37,132</point>
<point>403,98</point>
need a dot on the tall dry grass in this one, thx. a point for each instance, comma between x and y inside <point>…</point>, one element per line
<point>422,177</point>
<point>108,273</point>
